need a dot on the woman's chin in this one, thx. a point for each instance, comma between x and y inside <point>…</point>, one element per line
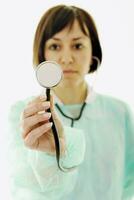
<point>69,82</point>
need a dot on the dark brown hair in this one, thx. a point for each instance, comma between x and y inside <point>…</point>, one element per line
<point>56,19</point>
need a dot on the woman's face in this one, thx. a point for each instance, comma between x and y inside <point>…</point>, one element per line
<point>72,50</point>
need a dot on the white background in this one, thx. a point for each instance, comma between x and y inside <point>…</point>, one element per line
<point>18,19</point>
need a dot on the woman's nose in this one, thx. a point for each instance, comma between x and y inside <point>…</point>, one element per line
<point>66,58</point>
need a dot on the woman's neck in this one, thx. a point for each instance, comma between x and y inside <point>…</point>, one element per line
<point>72,95</point>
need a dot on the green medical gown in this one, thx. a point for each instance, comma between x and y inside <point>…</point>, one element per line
<point>100,145</point>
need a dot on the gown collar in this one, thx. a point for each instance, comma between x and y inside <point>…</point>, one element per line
<point>91,95</point>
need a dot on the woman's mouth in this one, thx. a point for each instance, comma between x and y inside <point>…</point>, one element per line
<point>69,71</point>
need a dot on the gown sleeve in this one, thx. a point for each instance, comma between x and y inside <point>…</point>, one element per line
<point>34,174</point>
<point>129,154</point>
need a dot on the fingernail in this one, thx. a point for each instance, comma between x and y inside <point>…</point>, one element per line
<point>47,115</point>
<point>46,104</point>
<point>42,97</point>
<point>48,125</point>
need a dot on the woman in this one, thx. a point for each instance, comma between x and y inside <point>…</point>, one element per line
<point>97,131</point>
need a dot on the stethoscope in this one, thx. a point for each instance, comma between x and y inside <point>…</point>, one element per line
<point>49,74</point>
<point>72,119</point>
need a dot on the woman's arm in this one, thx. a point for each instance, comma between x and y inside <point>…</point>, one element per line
<point>37,171</point>
<point>129,156</point>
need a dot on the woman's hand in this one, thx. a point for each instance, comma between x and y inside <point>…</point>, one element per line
<point>36,128</point>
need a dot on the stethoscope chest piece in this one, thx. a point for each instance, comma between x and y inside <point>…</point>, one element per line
<point>48,74</point>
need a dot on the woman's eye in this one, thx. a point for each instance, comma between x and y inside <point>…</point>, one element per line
<point>54,47</point>
<point>78,46</point>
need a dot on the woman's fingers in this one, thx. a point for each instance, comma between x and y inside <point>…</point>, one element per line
<point>34,108</point>
<point>38,99</point>
<point>35,124</point>
<point>28,123</point>
<point>32,137</point>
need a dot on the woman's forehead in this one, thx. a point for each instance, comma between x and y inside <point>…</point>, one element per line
<point>74,31</point>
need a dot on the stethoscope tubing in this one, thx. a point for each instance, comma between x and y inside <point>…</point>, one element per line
<point>56,139</point>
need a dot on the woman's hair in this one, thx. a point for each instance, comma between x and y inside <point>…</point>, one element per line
<point>56,19</point>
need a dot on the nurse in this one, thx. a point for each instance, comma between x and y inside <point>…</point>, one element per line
<point>96,131</point>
